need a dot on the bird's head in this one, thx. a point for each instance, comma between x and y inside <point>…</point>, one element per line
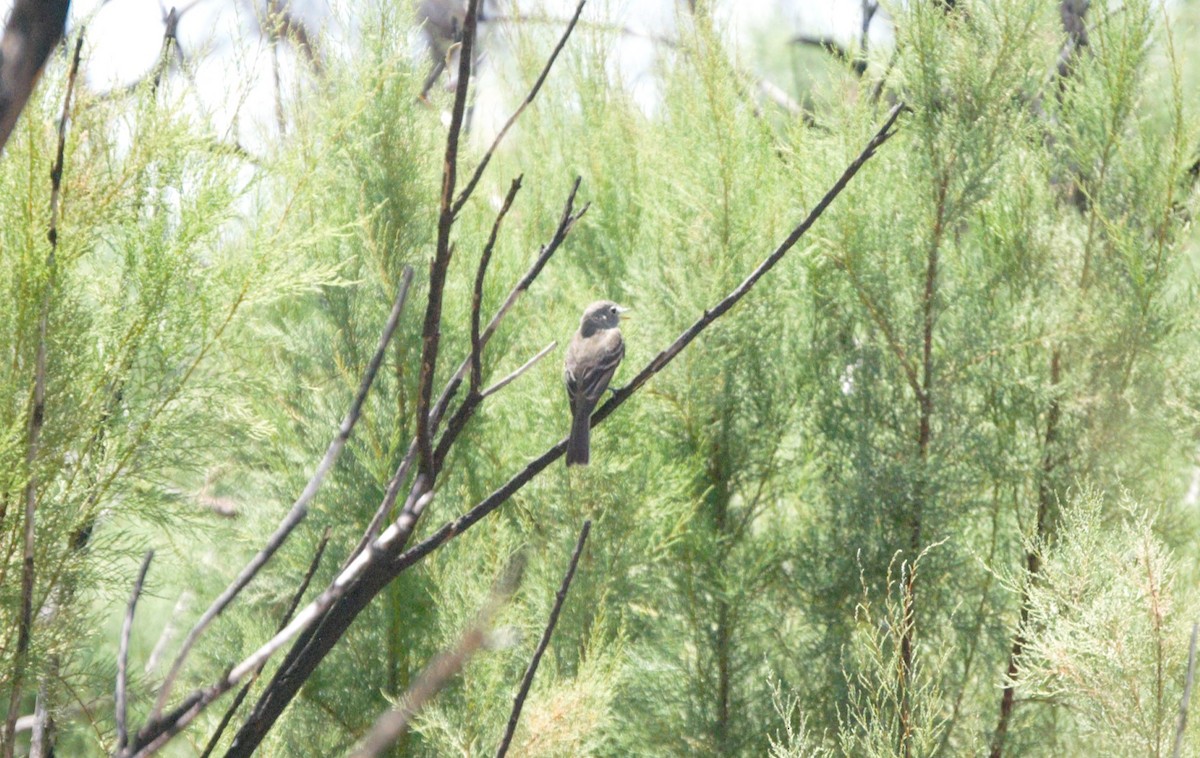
<point>602,314</point>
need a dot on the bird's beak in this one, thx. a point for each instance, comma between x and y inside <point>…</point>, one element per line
<point>622,310</point>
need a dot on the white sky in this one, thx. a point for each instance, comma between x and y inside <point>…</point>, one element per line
<point>233,81</point>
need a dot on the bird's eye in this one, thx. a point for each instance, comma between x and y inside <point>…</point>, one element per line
<point>613,309</point>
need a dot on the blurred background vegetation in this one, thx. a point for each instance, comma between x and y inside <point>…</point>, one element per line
<point>931,489</point>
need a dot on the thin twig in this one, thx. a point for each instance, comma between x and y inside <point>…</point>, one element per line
<point>485,258</point>
<point>531,670</point>
<point>516,374</point>
<point>1181,724</point>
<point>455,528</point>
<point>299,509</point>
<point>37,419</point>
<point>391,725</point>
<point>168,631</point>
<point>537,85</point>
<point>283,622</point>
<point>120,708</point>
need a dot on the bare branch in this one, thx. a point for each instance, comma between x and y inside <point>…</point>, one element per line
<point>299,509</point>
<point>777,95</point>
<point>37,410</point>
<point>832,46</point>
<point>485,258</point>
<point>283,622</point>
<point>392,724</point>
<point>123,652</point>
<point>158,732</point>
<point>168,631</point>
<point>537,85</point>
<point>1181,724</point>
<point>531,670</point>
<point>516,374</point>
<point>443,251</point>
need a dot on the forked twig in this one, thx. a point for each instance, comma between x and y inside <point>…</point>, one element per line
<point>537,85</point>
<point>527,679</point>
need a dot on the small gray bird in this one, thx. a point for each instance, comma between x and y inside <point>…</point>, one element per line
<point>595,352</point>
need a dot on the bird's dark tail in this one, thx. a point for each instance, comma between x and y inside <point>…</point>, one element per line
<point>579,441</point>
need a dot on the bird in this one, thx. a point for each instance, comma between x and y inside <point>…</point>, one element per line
<point>595,352</point>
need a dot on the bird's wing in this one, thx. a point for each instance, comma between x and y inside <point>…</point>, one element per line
<point>593,379</point>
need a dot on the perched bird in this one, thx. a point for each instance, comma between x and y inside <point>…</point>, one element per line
<point>595,352</point>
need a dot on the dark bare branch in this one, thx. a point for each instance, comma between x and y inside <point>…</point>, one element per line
<point>537,85</point>
<point>123,652</point>
<point>299,509</point>
<point>431,333</point>
<point>485,258</point>
<point>531,670</point>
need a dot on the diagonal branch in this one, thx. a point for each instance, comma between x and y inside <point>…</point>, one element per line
<point>485,258</point>
<point>537,85</point>
<point>527,680</point>
<point>157,733</point>
<point>516,374</point>
<point>123,653</point>
<point>299,509</point>
<point>287,617</point>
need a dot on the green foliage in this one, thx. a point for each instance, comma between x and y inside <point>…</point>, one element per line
<point>1108,630</point>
